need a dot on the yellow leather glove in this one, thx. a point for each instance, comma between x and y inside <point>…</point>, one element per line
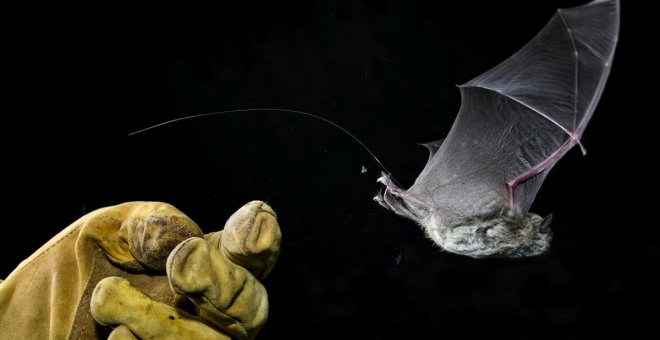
<point>145,269</point>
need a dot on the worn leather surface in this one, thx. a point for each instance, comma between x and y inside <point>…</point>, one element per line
<point>117,265</point>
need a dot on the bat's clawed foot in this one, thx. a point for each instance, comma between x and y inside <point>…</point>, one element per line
<point>397,200</point>
<point>379,198</point>
<point>386,180</point>
<point>384,197</point>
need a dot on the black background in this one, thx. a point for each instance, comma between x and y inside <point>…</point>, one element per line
<point>81,79</point>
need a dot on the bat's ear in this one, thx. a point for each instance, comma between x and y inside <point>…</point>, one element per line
<point>544,224</point>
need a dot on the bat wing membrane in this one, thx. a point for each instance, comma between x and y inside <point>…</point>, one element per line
<point>519,118</point>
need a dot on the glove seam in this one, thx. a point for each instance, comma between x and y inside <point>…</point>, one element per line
<point>49,248</point>
<point>237,322</point>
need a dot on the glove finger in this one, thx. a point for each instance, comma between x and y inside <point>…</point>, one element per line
<point>251,238</point>
<point>122,333</point>
<point>152,233</point>
<point>116,302</point>
<point>137,235</point>
<point>226,294</point>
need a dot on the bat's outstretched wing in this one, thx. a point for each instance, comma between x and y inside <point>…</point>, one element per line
<point>516,121</point>
<point>519,118</point>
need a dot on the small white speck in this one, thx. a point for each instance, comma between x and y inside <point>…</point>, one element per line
<point>363,170</point>
<point>398,259</point>
<point>491,232</point>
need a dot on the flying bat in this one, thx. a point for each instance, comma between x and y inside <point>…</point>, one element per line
<point>515,122</point>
